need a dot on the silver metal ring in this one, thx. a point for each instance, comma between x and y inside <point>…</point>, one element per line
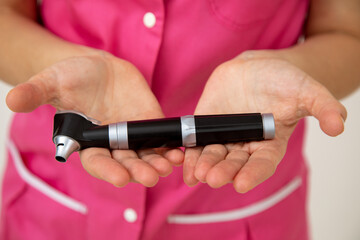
<point>113,140</point>
<point>122,135</point>
<point>268,126</point>
<point>188,131</point>
<point>118,136</point>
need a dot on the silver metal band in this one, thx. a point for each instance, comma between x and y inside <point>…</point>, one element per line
<point>268,126</point>
<point>118,136</point>
<point>113,136</point>
<point>188,131</point>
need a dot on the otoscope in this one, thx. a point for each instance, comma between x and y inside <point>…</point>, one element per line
<point>74,131</point>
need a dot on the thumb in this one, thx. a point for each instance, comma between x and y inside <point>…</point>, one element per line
<point>27,96</point>
<point>330,113</point>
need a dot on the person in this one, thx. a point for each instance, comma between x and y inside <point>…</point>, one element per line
<point>129,60</point>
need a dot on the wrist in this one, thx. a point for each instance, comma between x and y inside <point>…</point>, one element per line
<point>62,51</point>
<point>261,54</point>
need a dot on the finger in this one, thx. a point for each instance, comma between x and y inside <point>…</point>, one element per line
<point>139,170</point>
<point>330,112</point>
<point>225,171</point>
<point>28,96</point>
<point>190,159</point>
<point>331,123</point>
<point>99,163</point>
<point>260,166</point>
<point>210,156</point>
<point>158,162</point>
<point>175,156</point>
<point>331,120</point>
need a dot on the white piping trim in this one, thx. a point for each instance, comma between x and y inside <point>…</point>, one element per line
<point>41,186</point>
<point>239,213</point>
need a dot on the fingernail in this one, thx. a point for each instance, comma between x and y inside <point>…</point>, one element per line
<point>192,184</point>
<point>343,120</point>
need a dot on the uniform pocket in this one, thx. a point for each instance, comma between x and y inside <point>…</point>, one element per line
<point>239,223</point>
<point>32,209</point>
<point>241,14</point>
<point>241,213</point>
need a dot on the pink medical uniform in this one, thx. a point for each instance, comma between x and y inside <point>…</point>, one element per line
<point>176,44</point>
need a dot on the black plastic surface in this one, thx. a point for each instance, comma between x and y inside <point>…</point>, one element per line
<point>228,128</point>
<point>155,133</point>
<point>81,130</point>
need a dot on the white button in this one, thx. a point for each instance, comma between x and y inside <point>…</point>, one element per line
<point>130,215</point>
<point>149,19</point>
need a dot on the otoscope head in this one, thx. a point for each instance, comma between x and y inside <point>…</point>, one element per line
<point>65,146</point>
<point>73,132</point>
<point>67,134</point>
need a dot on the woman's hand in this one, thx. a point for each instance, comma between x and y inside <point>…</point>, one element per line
<point>108,89</point>
<point>258,82</point>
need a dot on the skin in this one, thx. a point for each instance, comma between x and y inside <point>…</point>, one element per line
<point>265,85</point>
<point>102,80</point>
<point>292,83</point>
<point>70,76</point>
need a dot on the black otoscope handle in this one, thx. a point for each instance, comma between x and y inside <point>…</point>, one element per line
<point>73,132</point>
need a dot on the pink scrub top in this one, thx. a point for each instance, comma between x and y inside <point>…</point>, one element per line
<point>176,45</point>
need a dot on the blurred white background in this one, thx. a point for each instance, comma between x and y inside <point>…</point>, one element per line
<point>334,165</point>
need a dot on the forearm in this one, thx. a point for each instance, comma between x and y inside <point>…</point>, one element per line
<point>331,51</point>
<point>331,58</point>
<point>27,48</point>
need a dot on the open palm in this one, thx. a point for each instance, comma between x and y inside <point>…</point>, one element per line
<point>265,85</point>
<point>110,90</point>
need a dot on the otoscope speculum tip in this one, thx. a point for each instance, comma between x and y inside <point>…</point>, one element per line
<point>65,146</point>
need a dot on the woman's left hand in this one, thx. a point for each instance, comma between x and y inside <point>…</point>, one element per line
<point>258,81</point>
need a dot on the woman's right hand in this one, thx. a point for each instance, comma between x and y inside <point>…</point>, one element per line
<point>110,90</point>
